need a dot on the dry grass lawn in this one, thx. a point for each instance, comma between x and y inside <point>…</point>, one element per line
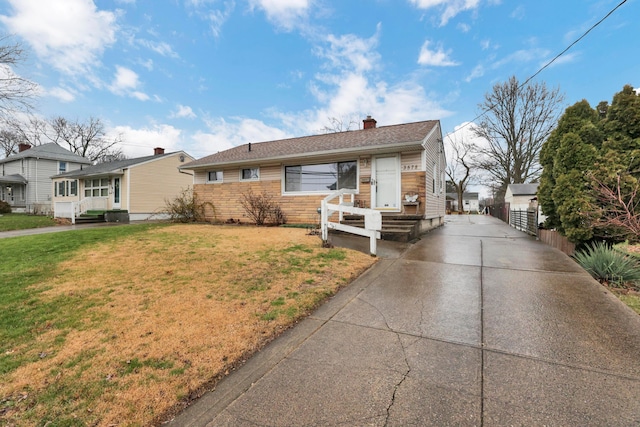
<point>171,310</point>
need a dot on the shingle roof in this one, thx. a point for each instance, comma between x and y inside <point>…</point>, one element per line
<point>523,189</point>
<point>50,151</point>
<point>109,167</point>
<point>383,136</point>
<point>13,179</point>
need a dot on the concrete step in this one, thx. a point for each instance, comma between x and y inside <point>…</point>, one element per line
<point>398,228</point>
<point>90,219</point>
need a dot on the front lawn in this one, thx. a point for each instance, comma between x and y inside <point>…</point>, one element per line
<point>16,221</point>
<point>119,325</point>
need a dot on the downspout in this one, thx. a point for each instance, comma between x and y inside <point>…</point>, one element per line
<point>129,190</point>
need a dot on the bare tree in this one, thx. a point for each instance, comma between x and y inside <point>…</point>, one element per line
<point>460,166</point>
<point>88,138</point>
<point>32,130</point>
<point>16,93</point>
<point>619,207</point>
<point>517,119</point>
<point>9,142</point>
<point>341,124</point>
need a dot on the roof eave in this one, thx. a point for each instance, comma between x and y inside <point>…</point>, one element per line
<point>378,149</point>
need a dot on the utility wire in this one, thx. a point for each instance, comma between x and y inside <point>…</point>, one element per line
<point>550,62</point>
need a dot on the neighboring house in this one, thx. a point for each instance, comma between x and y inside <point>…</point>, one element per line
<point>470,202</point>
<point>522,197</point>
<point>25,177</point>
<point>384,166</point>
<point>140,186</point>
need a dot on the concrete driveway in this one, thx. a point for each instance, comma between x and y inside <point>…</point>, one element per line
<point>476,324</point>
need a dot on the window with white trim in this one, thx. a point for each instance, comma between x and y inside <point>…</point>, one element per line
<point>66,188</point>
<point>322,177</point>
<point>214,176</point>
<point>96,187</point>
<point>250,174</point>
<point>62,167</point>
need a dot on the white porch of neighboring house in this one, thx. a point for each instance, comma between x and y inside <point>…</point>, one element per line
<point>13,190</point>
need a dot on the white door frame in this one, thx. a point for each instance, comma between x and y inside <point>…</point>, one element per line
<point>117,193</point>
<point>374,184</point>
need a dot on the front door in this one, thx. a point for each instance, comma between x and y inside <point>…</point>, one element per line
<point>384,189</point>
<point>116,193</point>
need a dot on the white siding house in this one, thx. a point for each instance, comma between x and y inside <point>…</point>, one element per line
<point>25,177</point>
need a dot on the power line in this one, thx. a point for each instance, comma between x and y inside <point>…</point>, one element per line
<point>551,61</point>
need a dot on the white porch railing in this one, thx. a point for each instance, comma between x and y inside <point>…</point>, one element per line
<point>74,209</point>
<point>372,218</point>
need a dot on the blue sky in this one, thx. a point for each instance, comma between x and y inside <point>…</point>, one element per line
<point>205,75</point>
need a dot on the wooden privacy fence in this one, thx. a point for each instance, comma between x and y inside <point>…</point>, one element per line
<point>556,240</point>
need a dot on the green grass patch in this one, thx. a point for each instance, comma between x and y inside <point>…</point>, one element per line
<point>632,299</point>
<point>16,221</point>
<point>24,315</point>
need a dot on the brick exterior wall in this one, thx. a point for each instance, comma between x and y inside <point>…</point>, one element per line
<point>225,197</point>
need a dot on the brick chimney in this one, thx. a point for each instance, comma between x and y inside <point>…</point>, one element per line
<point>157,151</point>
<point>22,147</point>
<point>369,123</point>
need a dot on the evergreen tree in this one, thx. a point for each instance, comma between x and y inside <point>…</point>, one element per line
<point>591,166</point>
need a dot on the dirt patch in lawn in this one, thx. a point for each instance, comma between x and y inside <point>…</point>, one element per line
<point>169,311</point>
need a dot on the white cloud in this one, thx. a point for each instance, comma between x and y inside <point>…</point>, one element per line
<point>287,14</point>
<point>434,58</point>
<point>477,72</point>
<point>349,52</point>
<point>69,35</point>
<point>217,18</point>
<point>62,94</point>
<point>125,82</point>
<point>465,28</point>
<point>223,135</point>
<point>449,8</point>
<point>518,13</point>
<point>161,48</point>
<point>183,112</point>
<point>141,142</point>
<point>522,56</point>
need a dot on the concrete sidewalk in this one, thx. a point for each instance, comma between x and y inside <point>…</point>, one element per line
<point>476,324</point>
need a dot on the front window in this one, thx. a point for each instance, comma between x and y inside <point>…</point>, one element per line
<point>321,177</point>
<point>250,174</point>
<point>62,167</point>
<point>66,188</point>
<point>214,176</point>
<point>96,187</point>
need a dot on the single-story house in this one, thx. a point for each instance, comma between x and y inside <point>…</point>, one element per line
<point>386,166</point>
<point>523,197</point>
<point>25,177</point>
<point>470,202</point>
<point>140,186</point>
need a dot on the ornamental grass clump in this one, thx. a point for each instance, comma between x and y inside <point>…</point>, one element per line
<point>609,266</point>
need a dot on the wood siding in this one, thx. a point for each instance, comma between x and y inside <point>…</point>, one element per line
<point>435,161</point>
<point>146,186</point>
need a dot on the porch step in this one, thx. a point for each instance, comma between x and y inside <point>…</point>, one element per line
<point>398,228</point>
<point>90,217</point>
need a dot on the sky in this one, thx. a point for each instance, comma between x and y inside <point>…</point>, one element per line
<point>206,75</point>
